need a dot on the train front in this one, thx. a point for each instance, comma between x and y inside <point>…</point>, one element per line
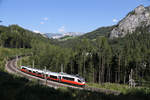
<point>81,81</point>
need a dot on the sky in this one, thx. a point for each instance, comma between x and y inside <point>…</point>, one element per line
<point>59,16</point>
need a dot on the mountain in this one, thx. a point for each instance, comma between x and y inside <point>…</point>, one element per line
<point>58,35</point>
<point>102,31</point>
<point>138,18</point>
<point>53,35</point>
<point>74,33</point>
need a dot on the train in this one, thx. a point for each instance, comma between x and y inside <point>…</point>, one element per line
<point>54,76</point>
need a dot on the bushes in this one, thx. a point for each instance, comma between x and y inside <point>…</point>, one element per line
<point>124,89</point>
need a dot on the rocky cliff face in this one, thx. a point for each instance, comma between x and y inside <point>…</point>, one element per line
<point>139,17</point>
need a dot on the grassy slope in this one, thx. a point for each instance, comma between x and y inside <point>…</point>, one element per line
<point>124,89</point>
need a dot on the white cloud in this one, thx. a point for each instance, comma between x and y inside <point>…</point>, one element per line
<point>42,23</point>
<point>36,31</point>
<point>61,29</point>
<point>115,20</point>
<point>45,18</point>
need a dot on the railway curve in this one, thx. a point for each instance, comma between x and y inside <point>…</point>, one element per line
<point>11,67</point>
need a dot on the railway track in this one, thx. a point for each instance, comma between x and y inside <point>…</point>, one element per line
<point>11,67</point>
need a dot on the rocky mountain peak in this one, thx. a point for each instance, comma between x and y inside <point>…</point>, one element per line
<point>139,17</point>
<point>140,9</point>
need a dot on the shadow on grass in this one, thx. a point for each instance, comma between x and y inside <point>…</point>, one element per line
<point>16,88</point>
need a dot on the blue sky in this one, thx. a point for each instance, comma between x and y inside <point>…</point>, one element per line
<point>65,15</point>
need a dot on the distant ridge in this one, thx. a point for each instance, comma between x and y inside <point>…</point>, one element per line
<point>58,35</point>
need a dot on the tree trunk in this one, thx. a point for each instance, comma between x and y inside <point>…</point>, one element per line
<point>136,77</point>
<point>100,71</point>
<point>119,69</point>
<point>109,74</point>
<point>84,65</point>
<point>103,68</point>
<point>124,77</point>
<point>93,75</point>
<point>116,73</point>
<point>71,67</point>
<point>99,78</point>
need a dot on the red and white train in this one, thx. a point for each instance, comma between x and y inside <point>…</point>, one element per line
<point>59,77</point>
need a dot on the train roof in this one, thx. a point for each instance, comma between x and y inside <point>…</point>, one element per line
<point>47,72</point>
<point>53,73</point>
<point>35,70</point>
<point>40,71</point>
<point>73,76</point>
<point>24,67</point>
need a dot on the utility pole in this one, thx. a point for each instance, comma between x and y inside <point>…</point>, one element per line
<point>20,62</point>
<point>131,81</point>
<point>62,68</point>
<point>33,64</point>
<point>16,57</point>
<point>84,64</point>
<point>6,60</point>
<point>16,60</point>
<point>45,77</point>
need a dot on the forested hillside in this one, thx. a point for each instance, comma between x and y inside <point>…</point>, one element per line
<point>58,58</point>
<point>15,36</point>
<point>99,61</point>
<point>102,31</point>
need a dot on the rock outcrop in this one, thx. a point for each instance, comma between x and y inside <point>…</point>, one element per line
<point>139,17</point>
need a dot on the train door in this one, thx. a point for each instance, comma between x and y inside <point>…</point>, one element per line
<point>59,77</point>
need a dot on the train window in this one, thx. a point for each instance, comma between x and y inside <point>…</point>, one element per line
<point>29,70</point>
<point>79,80</point>
<point>23,68</point>
<point>46,75</point>
<point>39,73</point>
<point>59,77</point>
<point>51,76</point>
<point>68,78</point>
<point>33,71</point>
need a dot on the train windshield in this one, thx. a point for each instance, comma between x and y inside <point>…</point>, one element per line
<point>81,80</point>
